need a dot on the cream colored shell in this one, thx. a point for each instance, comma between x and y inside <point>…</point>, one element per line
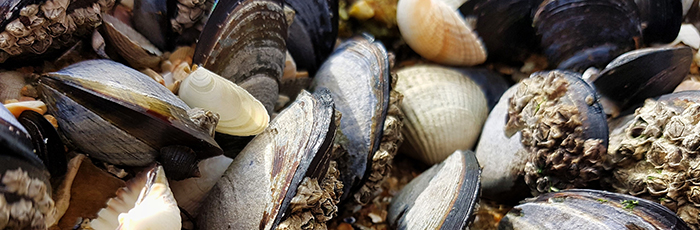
<point>436,31</point>
<point>145,203</point>
<point>445,111</point>
<point>241,114</point>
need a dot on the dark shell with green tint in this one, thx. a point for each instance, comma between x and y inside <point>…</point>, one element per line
<point>590,209</point>
<point>357,75</point>
<point>244,42</point>
<point>119,115</point>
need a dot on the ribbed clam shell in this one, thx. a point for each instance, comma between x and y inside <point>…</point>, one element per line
<point>145,203</point>
<point>257,188</point>
<point>435,30</point>
<point>119,115</point>
<point>443,197</point>
<point>444,111</point>
<point>244,42</point>
<point>590,209</point>
<point>357,75</point>
<point>240,113</point>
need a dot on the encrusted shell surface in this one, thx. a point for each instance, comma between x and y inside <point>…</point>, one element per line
<point>240,113</point>
<point>436,31</point>
<point>444,110</point>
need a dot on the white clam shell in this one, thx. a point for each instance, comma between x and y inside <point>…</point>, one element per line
<point>436,31</point>
<point>153,207</point>
<point>240,113</point>
<point>444,110</point>
<point>688,35</point>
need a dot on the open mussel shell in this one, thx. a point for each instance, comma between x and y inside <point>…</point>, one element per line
<point>313,32</point>
<point>31,30</point>
<point>590,209</point>
<point>436,31</point>
<point>357,75</point>
<point>661,20</point>
<point>644,73</point>
<point>577,34</point>
<point>505,27</point>
<point>501,157</point>
<point>240,113</point>
<point>563,127</point>
<point>244,42</point>
<point>145,203</point>
<point>25,202</point>
<point>119,115</point>
<point>130,44</point>
<point>444,110</point>
<point>442,197</point>
<point>256,190</point>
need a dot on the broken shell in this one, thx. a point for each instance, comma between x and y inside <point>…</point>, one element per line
<point>600,31</point>
<point>190,193</point>
<point>254,57</point>
<point>443,197</point>
<point>240,113</point>
<point>146,203</point>
<point>130,44</point>
<point>357,75</point>
<point>436,31</point>
<point>119,115</point>
<point>563,128</point>
<point>688,35</point>
<point>267,173</point>
<point>444,110</point>
<point>590,209</point>
<point>313,32</point>
<point>16,108</point>
<point>644,73</point>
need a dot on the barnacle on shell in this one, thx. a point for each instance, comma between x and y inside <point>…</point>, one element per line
<point>656,156</point>
<point>566,149</point>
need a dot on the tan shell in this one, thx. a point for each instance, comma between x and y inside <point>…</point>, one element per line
<point>131,45</point>
<point>444,110</point>
<point>436,31</point>
<point>241,114</point>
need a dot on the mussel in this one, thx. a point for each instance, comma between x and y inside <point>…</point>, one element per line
<point>244,42</point>
<point>564,129</point>
<point>590,209</point>
<point>357,75</point>
<point>121,116</point>
<point>275,176</point>
<point>25,201</point>
<point>442,197</point>
<point>577,34</point>
<point>661,20</point>
<point>644,73</point>
<point>312,33</point>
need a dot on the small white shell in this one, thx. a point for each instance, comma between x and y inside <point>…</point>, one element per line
<point>153,208</point>
<point>688,35</point>
<point>241,114</point>
<point>444,110</point>
<point>190,192</point>
<point>436,31</point>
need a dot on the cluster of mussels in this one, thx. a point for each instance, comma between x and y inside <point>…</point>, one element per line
<point>256,114</point>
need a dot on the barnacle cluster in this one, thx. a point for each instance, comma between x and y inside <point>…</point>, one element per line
<point>657,156</point>
<point>29,206</point>
<point>39,26</point>
<point>189,13</point>
<point>552,130</point>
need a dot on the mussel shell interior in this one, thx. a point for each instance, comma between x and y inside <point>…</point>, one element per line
<point>590,209</point>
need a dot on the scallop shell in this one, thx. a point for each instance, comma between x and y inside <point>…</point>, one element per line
<point>435,30</point>
<point>444,110</point>
<point>240,113</point>
<point>146,203</point>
